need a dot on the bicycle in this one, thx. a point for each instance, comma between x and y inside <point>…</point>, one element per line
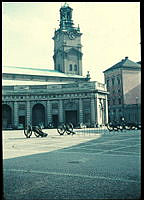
<point>36,129</point>
<point>65,127</point>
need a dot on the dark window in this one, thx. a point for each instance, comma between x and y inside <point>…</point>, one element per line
<point>119,100</point>
<point>107,83</point>
<point>118,80</point>
<point>113,81</point>
<point>70,67</point>
<point>75,67</point>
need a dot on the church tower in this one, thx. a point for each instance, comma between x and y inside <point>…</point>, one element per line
<point>67,44</point>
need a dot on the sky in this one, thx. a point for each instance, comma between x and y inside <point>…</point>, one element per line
<point>111,31</point>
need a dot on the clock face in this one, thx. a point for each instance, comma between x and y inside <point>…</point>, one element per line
<point>72,35</point>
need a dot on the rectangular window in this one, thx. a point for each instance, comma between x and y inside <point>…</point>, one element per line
<point>75,67</point>
<point>70,67</point>
<point>107,83</point>
<point>119,100</point>
<point>112,81</point>
<point>118,80</point>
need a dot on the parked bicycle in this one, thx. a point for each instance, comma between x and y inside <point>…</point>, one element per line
<point>37,130</point>
<point>65,127</point>
<point>115,126</point>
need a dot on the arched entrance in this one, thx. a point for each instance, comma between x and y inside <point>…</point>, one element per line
<point>6,116</point>
<point>38,114</point>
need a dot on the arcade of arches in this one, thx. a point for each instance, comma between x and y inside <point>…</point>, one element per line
<point>45,112</point>
<point>6,116</point>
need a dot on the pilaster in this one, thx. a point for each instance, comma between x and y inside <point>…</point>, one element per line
<point>93,119</point>
<point>106,110</point>
<point>49,114</point>
<point>80,111</point>
<point>61,120</point>
<point>28,113</point>
<point>16,113</point>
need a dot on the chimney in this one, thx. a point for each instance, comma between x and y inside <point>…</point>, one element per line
<point>126,58</point>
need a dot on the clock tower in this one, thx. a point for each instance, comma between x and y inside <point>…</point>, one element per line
<point>67,44</point>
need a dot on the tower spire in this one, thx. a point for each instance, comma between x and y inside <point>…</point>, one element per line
<point>66,21</point>
<point>66,4</point>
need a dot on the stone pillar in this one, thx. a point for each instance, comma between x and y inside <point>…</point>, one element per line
<point>103,111</point>
<point>49,114</point>
<point>96,111</point>
<point>16,113</point>
<point>80,111</point>
<point>106,110</point>
<point>28,113</point>
<point>93,120</point>
<point>61,118</point>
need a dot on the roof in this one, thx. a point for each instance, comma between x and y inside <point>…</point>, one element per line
<point>21,82</point>
<point>36,71</point>
<point>125,63</point>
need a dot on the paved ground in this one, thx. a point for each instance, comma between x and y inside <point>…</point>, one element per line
<point>93,164</point>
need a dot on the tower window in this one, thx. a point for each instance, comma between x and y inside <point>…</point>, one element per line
<point>75,67</point>
<point>70,67</point>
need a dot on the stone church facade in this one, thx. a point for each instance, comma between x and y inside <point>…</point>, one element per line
<point>54,96</point>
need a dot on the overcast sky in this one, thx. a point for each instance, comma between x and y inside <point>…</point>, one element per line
<point>111,31</point>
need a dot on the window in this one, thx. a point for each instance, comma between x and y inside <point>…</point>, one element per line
<point>118,80</point>
<point>75,67</point>
<point>119,100</point>
<point>107,83</point>
<point>70,67</point>
<point>112,81</point>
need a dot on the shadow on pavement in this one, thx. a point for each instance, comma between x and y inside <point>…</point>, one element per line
<point>73,173</point>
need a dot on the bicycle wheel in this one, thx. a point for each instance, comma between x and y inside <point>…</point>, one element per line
<point>36,134</point>
<point>28,131</point>
<point>110,128</point>
<point>69,128</point>
<point>61,129</point>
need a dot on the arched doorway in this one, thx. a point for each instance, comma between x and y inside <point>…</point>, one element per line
<point>6,116</point>
<point>38,114</point>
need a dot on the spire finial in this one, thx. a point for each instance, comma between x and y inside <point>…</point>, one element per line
<point>66,5</point>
